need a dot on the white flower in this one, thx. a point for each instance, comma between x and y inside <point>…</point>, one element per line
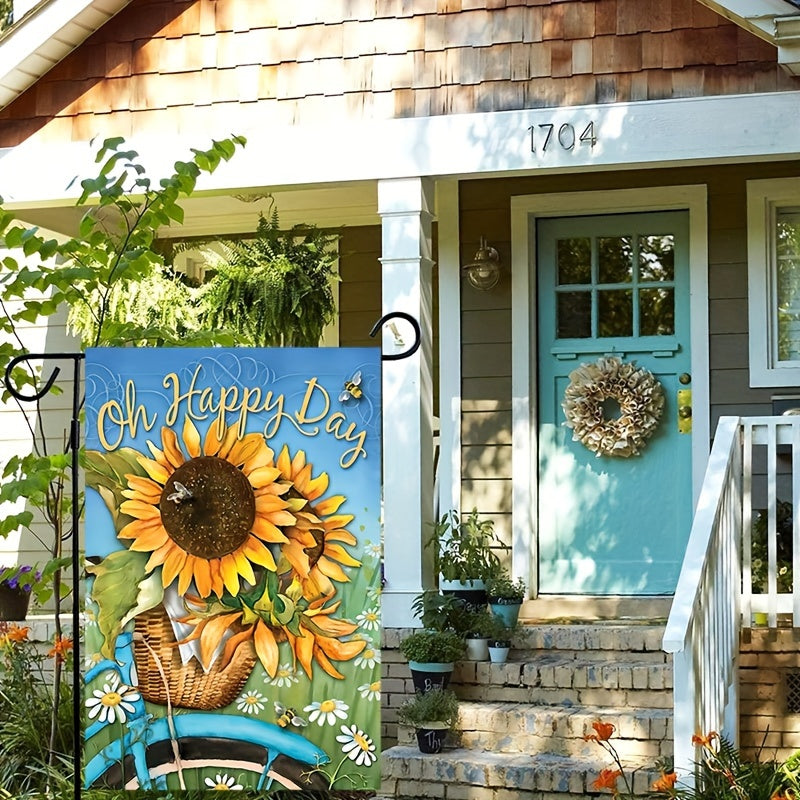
<point>370,691</point>
<point>374,549</point>
<point>92,660</point>
<point>222,782</point>
<point>374,593</point>
<point>112,702</point>
<point>112,679</point>
<point>368,659</point>
<point>369,619</point>
<point>251,702</point>
<point>285,676</point>
<point>357,746</point>
<point>327,711</point>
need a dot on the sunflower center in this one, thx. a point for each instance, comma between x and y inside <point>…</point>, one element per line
<point>217,517</point>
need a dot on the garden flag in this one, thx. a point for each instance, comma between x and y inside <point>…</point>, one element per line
<point>234,568</point>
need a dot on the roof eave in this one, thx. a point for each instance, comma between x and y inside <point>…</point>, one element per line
<point>770,20</point>
<point>45,35</point>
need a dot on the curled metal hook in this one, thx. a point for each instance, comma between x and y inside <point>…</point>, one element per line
<point>30,398</point>
<point>417,334</point>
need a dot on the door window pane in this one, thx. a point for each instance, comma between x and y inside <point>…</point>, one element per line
<point>574,260</point>
<point>657,258</point>
<point>614,259</point>
<point>574,315</point>
<point>615,313</point>
<point>657,312</point>
<point>788,284</point>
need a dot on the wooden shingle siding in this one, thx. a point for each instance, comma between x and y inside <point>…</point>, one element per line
<point>215,65</point>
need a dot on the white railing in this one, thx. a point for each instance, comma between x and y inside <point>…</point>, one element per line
<point>753,460</point>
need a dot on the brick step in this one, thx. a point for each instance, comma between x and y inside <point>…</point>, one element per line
<point>640,734</point>
<point>602,639</point>
<point>561,680</point>
<point>459,773</point>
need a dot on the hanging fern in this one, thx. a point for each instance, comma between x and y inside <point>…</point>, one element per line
<point>275,289</point>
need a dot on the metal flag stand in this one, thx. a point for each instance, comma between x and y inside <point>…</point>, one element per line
<point>74,448</point>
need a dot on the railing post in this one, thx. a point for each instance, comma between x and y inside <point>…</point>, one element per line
<point>685,704</point>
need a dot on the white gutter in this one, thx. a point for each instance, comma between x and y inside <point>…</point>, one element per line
<point>46,34</point>
<point>771,20</point>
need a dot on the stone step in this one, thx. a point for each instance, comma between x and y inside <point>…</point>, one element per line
<point>640,734</point>
<point>558,679</point>
<point>459,773</point>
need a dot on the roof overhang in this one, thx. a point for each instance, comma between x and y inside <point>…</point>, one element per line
<point>774,21</point>
<point>43,36</point>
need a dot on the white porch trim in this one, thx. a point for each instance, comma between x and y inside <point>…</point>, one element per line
<point>449,347</point>
<point>524,212</point>
<point>405,207</point>
<point>664,133</point>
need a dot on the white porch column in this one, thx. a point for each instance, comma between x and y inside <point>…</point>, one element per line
<point>405,208</point>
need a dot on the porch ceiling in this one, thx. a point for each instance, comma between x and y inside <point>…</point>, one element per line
<point>329,207</point>
<point>775,21</point>
<point>43,36</point>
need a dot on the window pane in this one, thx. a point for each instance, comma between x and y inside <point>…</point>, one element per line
<point>574,260</point>
<point>574,311</point>
<point>656,258</point>
<point>788,285</point>
<point>614,259</point>
<point>615,313</point>
<point>657,312</point>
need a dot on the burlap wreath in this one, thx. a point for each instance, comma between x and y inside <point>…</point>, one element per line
<point>641,404</point>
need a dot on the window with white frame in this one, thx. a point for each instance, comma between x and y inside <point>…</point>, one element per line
<point>773,254</point>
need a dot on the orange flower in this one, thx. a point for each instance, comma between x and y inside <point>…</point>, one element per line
<point>603,732</point>
<point>17,634</point>
<point>665,782</point>
<point>704,741</point>
<point>607,779</point>
<point>61,646</point>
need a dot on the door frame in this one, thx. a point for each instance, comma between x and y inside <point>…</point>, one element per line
<point>525,210</point>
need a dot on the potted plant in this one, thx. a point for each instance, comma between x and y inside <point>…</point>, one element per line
<point>464,553</point>
<point>441,612</point>
<point>505,596</point>
<point>500,637</point>
<point>431,715</point>
<point>478,627</point>
<point>431,655</point>
<point>16,585</point>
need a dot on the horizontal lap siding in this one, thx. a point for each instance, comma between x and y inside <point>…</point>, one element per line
<point>486,316</point>
<point>218,65</point>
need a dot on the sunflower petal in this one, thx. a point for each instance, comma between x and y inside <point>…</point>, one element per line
<point>284,463</point>
<point>173,564</point>
<point>266,648</point>
<point>322,582</point>
<point>266,531</point>
<point>139,509</point>
<point>244,567</point>
<point>191,438</point>
<point>330,505</point>
<point>331,570</point>
<point>150,540</point>
<point>339,521</point>
<point>157,557</point>
<point>172,450</point>
<point>229,573</point>
<point>159,457</point>
<point>143,485</point>
<point>262,476</point>
<point>324,662</point>
<point>335,627</point>
<point>341,651</point>
<point>158,472</point>
<point>257,552</point>
<point>217,584</point>
<point>304,647</point>
<point>316,487</point>
<point>233,643</point>
<point>337,552</point>
<point>186,574</point>
<point>297,557</point>
<point>212,635</point>
<point>340,535</point>
<point>245,449</point>
<point>202,576</point>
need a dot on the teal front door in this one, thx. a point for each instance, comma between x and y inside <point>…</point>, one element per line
<point>613,285</point>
